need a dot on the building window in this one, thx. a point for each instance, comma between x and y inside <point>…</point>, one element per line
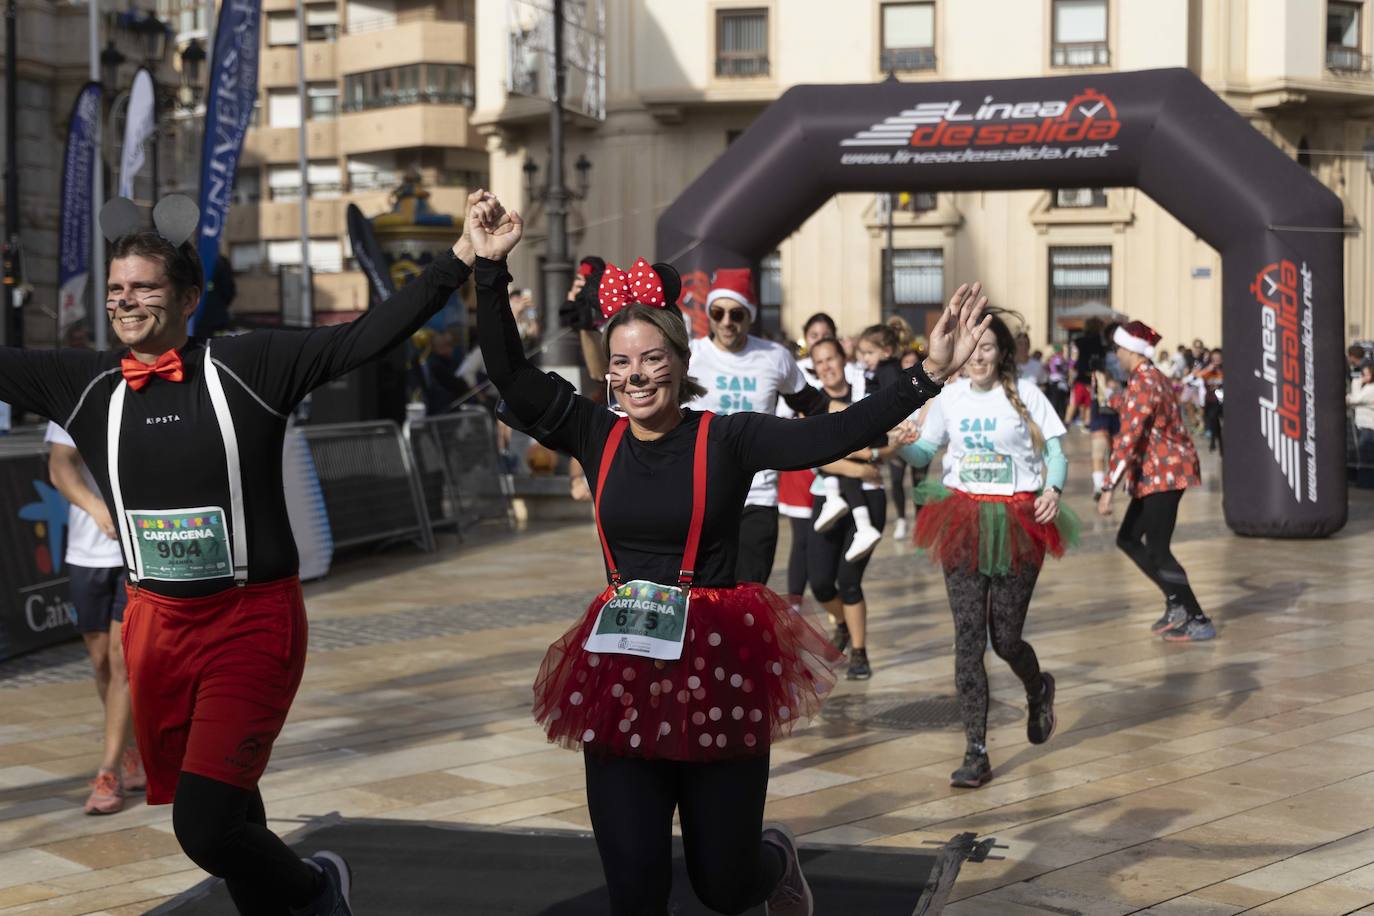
<point>1080,287</point>
<point>1343,43</point>
<point>374,173</point>
<point>281,29</point>
<point>284,183</point>
<point>436,84</point>
<point>324,101</point>
<point>918,286</point>
<point>247,185</point>
<point>908,37</point>
<point>245,257</point>
<point>741,42</point>
<point>321,22</point>
<point>326,255</point>
<point>770,295</point>
<point>283,108</point>
<point>910,202</point>
<point>1076,198</point>
<point>1080,34</point>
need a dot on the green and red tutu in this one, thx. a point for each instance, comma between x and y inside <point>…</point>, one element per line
<point>994,535</point>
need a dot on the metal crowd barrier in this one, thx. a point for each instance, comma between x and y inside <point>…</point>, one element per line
<point>458,469</point>
<point>371,490</point>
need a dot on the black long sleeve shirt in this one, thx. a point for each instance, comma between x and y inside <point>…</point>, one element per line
<point>647,504</point>
<point>171,452</point>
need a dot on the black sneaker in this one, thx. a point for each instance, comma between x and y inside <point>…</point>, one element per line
<point>1174,614</point>
<point>859,669</point>
<point>841,636</point>
<point>975,772</point>
<point>1040,724</point>
<point>334,890</point>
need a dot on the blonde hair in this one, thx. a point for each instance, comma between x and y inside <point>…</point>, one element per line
<point>906,339</point>
<point>671,325</point>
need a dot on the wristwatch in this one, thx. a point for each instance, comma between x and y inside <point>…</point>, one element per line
<point>873,455</point>
<point>1058,490</point>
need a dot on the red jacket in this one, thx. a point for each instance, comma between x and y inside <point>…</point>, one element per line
<point>1153,453</point>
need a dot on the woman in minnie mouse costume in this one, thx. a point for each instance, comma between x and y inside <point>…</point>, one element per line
<point>676,680</point>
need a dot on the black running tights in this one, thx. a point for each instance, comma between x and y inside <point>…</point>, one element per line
<point>720,805</point>
<point>980,602</point>
<point>796,556</point>
<point>223,829</point>
<point>1145,534</point>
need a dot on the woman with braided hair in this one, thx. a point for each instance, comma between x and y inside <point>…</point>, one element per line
<point>989,523</point>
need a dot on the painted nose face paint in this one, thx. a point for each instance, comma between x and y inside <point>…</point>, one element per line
<point>637,380</point>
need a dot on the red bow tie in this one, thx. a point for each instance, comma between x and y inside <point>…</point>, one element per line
<point>138,373</point>
<point>618,288</point>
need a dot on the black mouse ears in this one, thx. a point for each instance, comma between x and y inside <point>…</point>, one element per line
<point>175,218</point>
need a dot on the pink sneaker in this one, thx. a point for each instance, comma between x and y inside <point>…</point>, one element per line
<point>131,771</point>
<point>107,795</point>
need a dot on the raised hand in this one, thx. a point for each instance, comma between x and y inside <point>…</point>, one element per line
<point>494,230</point>
<point>956,335</point>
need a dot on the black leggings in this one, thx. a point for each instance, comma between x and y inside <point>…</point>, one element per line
<point>796,557</point>
<point>720,805</point>
<point>830,573</point>
<point>897,475</point>
<point>980,601</point>
<point>223,829</point>
<point>758,541</point>
<point>1144,537</point>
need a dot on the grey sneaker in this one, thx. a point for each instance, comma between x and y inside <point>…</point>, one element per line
<point>1174,614</point>
<point>976,771</point>
<point>840,638</point>
<point>1041,722</point>
<point>1194,629</point>
<point>859,668</point>
<point>792,896</point>
<point>338,879</point>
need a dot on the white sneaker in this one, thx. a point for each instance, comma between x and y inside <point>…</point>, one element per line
<point>900,530</point>
<point>831,512</point>
<point>865,539</point>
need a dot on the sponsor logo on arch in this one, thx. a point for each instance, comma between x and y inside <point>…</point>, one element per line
<point>1287,399</point>
<point>990,130</point>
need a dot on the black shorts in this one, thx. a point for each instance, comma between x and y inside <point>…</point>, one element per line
<point>1104,421</point>
<point>98,597</point>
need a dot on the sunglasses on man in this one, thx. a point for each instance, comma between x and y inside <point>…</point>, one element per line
<point>737,315</point>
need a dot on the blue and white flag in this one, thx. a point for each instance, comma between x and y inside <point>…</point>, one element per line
<point>140,121</point>
<point>228,110</point>
<point>74,235</point>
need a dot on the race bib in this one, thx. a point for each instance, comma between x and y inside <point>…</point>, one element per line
<point>642,618</point>
<point>987,472</point>
<point>181,545</point>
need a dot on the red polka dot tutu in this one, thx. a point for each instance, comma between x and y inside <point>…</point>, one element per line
<point>750,668</point>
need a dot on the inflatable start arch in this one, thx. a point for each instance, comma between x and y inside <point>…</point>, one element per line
<point>1279,231</point>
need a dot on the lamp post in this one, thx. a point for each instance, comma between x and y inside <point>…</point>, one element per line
<point>12,327</point>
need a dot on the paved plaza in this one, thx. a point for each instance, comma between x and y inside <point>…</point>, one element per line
<point>1208,780</point>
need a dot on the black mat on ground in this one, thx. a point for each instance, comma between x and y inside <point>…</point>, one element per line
<point>402,868</point>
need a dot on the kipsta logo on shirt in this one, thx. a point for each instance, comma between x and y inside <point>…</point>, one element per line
<point>49,517</point>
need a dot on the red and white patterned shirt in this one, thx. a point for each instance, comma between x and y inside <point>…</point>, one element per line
<point>1153,452</point>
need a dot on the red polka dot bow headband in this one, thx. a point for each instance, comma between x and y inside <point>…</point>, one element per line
<point>641,284</point>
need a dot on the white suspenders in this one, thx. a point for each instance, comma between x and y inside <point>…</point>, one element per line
<point>238,535</point>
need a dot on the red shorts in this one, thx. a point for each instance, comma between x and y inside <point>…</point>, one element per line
<point>212,680</point>
<point>1082,394</point>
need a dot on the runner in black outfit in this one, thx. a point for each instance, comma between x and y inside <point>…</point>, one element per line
<point>215,630</point>
<point>688,728</point>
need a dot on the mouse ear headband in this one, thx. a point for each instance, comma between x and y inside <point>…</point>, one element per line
<point>175,218</point>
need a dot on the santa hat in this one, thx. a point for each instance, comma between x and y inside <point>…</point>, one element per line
<point>735,283</point>
<point>1136,336</point>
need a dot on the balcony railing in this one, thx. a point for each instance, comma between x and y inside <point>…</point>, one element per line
<point>742,65</point>
<point>423,14</point>
<point>1081,54</point>
<point>901,59</point>
<point>1078,198</point>
<point>1341,59</point>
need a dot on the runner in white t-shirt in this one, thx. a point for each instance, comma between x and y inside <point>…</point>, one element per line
<point>95,565</point>
<point>989,523</point>
<point>745,373</point>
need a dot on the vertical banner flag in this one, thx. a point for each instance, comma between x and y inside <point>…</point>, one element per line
<point>228,109</point>
<point>74,235</point>
<point>140,120</point>
<point>369,256</point>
